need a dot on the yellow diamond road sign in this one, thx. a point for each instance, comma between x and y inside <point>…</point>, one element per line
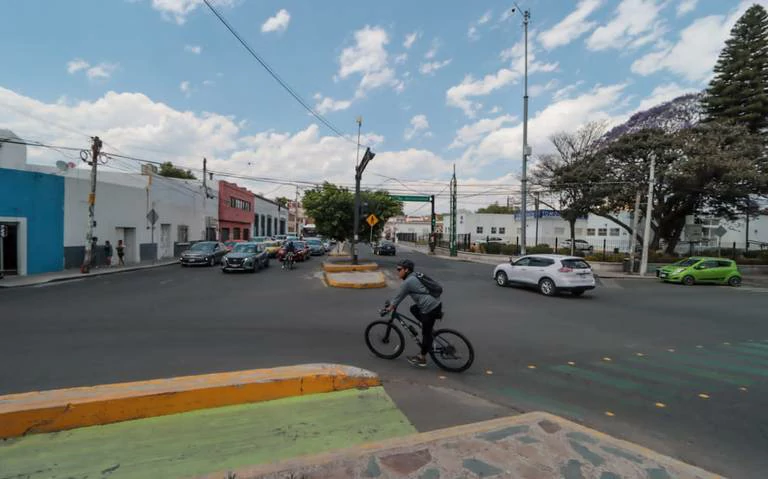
<point>372,220</point>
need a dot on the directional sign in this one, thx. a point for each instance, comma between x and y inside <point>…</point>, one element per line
<point>372,220</point>
<point>693,233</point>
<point>422,198</point>
<point>152,216</point>
<point>720,231</point>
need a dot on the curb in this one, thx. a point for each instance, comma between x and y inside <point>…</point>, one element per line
<point>381,283</point>
<point>349,268</point>
<point>93,274</point>
<point>63,409</point>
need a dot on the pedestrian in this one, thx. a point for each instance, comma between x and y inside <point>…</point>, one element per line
<point>120,253</point>
<point>108,252</point>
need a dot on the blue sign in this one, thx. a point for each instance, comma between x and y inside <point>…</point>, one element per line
<point>542,214</point>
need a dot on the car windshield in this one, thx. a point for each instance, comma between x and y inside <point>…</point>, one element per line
<point>575,264</point>
<point>245,248</point>
<point>315,242</point>
<point>205,247</point>
<point>687,262</point>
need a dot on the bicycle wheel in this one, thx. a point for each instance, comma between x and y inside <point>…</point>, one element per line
<point>452,351</point>
<point>384,339</point>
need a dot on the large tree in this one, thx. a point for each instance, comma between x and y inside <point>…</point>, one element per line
<point>498,209</point>
<point>332,208</point>
<point>167,169</point>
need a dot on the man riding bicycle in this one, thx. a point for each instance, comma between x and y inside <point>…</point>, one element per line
<point>290,251</point>
<point>426,308</point>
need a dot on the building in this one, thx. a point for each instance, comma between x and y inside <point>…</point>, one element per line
<point>410,227</point>
<point>236,216</point>
<point>270,218</point>
<point>297,219</point>
<point>542,227</point>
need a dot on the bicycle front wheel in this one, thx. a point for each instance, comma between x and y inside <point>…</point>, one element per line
<point>452,351</point>
<point>384,339</point>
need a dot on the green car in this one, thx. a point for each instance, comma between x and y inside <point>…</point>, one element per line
<point>694,270</point>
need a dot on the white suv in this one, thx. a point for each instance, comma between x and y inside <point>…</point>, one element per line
<point>549,273</point>
<point>578,245</point>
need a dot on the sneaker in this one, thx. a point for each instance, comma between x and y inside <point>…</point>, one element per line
<point>418,361</point>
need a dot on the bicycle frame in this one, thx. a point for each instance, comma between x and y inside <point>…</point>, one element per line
<point>407,324</point>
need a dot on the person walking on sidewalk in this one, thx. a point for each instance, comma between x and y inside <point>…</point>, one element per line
<point>120,253</point>
<point>108,253</point>
<point>426,308</point>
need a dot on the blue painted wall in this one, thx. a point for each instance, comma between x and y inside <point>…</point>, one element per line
<point>39,198</point>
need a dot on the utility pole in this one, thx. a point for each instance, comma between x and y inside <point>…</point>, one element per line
<point>648,213</point>
<point>635,224</point>
<point>95,151</point>
<point>356,214</point>
<point>526,149</point>
<point>296,212</point>
<point>367,157</point>
<point>454,234</point>
<point>536,210</point>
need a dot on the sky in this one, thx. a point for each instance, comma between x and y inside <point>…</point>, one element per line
<point>437,83</point>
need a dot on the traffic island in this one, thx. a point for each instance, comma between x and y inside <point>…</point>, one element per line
<point>356,280</point>
<point>348,267</point>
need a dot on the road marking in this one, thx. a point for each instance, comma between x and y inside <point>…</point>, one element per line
<point>647,375</point>
<point>488,372</point>
<point>671,350</point>
<point>704,395</point>
<point>571,363</point>
<point>166,281</point>
<point>744,354</point>
<point>607,359</point>
<point>722,364</point>
<point>640,355</point>
<point>531,366</point>
<point>660,405</point>
<point>693,371</point>
<point>618,383</point>
<point>743,389</point>
<point>609,414</point>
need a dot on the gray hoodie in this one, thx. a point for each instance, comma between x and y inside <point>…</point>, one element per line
<point>418,293</point>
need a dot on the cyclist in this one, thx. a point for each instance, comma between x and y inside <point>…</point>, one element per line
<point>426,308</point>
<point>290,250</point>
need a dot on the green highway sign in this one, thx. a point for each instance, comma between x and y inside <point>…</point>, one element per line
<point>421,198</point>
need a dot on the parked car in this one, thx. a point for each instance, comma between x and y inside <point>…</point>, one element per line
<point>231,244</point>
<point>280,237</point>
<point>690,271</point>
<point>204,253</point>
<point>580,246</point>
<point>489,239</point>
<point>245,257</point>
<point>271,248</point>
<point>316,247</point>
<point>384,248</point>
<point>549,273</point>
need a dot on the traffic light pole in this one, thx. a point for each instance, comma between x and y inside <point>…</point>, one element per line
<point>367,157</point>
<point>89,252</point>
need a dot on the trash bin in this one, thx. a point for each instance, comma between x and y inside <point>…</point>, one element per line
<point>627,268</point>
<point>625,265</point>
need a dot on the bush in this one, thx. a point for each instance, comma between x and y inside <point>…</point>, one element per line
<point>539,249</point>
<point>609,258</point>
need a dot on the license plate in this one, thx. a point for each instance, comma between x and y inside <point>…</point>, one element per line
<point>662,275</point>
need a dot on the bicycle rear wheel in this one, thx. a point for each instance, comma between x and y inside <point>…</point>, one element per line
<point>452,351</point>
<point>384,339</point>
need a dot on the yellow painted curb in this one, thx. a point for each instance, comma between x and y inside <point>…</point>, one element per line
<point>381,283</point>
<point>62,409</point>
<point>349,268</point>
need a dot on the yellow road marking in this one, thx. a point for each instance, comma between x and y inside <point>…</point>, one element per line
<point>661,405</point>
<point>607,359</point>
<point>704,396</point>
<point>609,414</point>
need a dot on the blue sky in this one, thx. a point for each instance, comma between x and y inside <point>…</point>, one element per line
<point>437,82</point>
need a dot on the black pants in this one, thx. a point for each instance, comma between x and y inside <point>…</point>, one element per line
<point>427,324</point>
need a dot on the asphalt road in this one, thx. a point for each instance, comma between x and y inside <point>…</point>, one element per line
<point>681,370</point>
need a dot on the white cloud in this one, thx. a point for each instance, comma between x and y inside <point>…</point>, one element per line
<point>368,58</point>
<point>632,18</point>
<point>494,110</point>
<point>432,52</point>
<point>278,23</point>
<point>178,10</point>
<point>410,39</point>
<point>694,55</point>
<point>196,49</point>
<point>186,88</point>
<point>571,27</point>
<point>538,89</point>
<point>472,33</point>
<point>76,65</point>
<point>419,125</point>
<point>102,70</point>
<point>662,94</point>
<point>208,82</point>
<point>566,91</point>
<point>326,104</point>
<point>429,68</point>
<point>473,132</point>
<point>686,6</point>
<point>485,18</point>
<point>401,58</point>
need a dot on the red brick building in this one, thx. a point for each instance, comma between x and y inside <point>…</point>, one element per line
<point>235,212</point>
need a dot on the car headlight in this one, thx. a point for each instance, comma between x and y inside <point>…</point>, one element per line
<point>678,270</point>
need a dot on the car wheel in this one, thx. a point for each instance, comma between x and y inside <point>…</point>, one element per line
<point>212,261</point>
<point>689,281</point>
<point>501,278</point>
<point>735,281</point>
<point>547,287</point>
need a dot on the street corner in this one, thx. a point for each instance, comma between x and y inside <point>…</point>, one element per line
<point>64,409</point>
<point>356,280</point>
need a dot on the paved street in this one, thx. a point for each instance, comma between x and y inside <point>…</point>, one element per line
<point>681,370</point>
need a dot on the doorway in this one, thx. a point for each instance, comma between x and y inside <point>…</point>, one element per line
<point>165,241</point>
<point>128,235</point>
<point>10,249</point>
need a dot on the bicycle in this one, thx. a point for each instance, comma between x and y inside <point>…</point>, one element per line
<point>447,344</point>
<point>288,261</point>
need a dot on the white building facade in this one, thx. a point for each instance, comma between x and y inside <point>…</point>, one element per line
<point>269,217</point>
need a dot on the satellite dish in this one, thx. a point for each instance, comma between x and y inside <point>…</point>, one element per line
<point>62,165</point>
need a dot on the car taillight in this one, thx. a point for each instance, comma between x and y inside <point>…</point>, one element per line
<point>565,269</point>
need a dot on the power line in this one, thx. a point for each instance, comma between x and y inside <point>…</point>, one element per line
<point>277,77</point>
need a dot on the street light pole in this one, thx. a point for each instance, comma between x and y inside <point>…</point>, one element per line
<point>356,213</point>
<point>526,149</point>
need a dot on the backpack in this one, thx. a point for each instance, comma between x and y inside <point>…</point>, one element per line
<point>433,287</point>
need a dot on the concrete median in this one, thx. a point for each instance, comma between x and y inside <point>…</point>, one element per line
<point>356,280</point>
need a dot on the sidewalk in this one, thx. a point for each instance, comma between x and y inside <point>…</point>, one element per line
<point>72,274</point>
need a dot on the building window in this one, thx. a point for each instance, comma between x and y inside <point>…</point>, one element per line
<point>502,230</point>
<point>236,233</point>
<point>590,232</point>
<point>559,231</point>
<point>479,230</point>
<point>493,230</point>
<point>602,232</point>
<point>182,234</point>
<point>225,234</point>
<point>246,234</point>
<point>615,231</point>
<point>240,204</point>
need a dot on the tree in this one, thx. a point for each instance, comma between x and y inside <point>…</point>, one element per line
<point>738,92</point>
<point>332,207</point>
<point>282,201</point>
<point>575,172</point>
<point>167,169</point>
<point>497,209</point>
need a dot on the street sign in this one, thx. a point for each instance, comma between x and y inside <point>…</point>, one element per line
<point>720,231</point>
<point>693,233</point>
<point>372,220</point>
<point>152,216</point>
<point>422,198</point>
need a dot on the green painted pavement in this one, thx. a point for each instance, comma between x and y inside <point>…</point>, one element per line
<point>209,440</point>
<point>693,371</point>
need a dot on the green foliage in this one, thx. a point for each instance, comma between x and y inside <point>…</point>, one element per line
<point>168,170</point>
<point>539,249</point>
<point>332,208</point>
<point>497,209</point>
<point>282,201</point>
